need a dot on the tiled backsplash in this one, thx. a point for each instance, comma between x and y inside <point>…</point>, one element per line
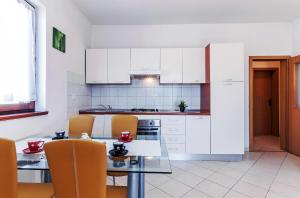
<point>146,93</point>
<point>79,94</point>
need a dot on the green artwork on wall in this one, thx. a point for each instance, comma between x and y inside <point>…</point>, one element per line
<point>59,40</point>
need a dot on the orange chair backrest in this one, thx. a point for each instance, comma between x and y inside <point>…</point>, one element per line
<point>8,169</point>
<point>81,124</point>
<point>78,168</point>
<point>120,123</point>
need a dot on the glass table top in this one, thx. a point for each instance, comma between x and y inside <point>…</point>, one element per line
<point>134,164</point>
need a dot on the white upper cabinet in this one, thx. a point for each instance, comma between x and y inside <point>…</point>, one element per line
<point>193,65</point>
<point>96,66</point>
<point>145,59</point>
<point>171,65</point>
<point>198,134</point>
<point>118,66</point>
<point>227,62</point>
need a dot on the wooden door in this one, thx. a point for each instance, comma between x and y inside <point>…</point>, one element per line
<point>262,102</point>
<point>294,106</point>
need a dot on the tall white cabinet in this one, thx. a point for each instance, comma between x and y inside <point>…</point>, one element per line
<point>227,98</point>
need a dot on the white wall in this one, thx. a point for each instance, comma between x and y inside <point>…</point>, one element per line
<point>259,39</point>
<point>296,37</point>
<point>65,16</point>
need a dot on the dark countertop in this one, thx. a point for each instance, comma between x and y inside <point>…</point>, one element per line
<point>129,112</point>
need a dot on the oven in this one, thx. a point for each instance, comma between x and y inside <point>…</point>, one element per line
<point>150,128</point>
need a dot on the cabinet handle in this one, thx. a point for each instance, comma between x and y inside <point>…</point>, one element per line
<point>229,79</point>
<point>228,84</point>
<point>199,118</point>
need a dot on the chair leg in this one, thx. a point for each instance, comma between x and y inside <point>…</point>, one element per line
<point>114,180</point>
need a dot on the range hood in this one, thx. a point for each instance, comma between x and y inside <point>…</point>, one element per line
<point>144,72</point>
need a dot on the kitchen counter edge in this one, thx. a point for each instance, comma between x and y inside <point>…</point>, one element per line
<point>146,113</point>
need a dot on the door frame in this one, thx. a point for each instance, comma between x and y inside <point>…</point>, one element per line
<point>283,96</point>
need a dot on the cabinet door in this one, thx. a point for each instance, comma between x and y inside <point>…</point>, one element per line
<point>227,118</point>
<point>107,126</point>
<point>193,60</point>
<point>96,66</point>
<point>145,59</point>
<point>172,125</point>
<point>227,62</point>
<point>198,134</point>
<point>98,126</point>
<point>171,65</point>
<point>118,66</point>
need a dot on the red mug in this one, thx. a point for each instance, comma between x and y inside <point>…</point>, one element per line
<point>35,145</point>
<point>125,135</point>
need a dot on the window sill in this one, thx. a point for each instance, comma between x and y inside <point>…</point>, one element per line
<point>22,115</point>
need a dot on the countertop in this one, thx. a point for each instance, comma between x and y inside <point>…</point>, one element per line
<point>129,112</point>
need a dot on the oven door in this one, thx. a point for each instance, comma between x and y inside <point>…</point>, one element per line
<point>149,132</point>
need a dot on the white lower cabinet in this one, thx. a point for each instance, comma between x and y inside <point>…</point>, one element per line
<point>172,124</point>
<point>98,127</point>
<point>107,125</point>
<point>197,134</point>
<point>176,148</point>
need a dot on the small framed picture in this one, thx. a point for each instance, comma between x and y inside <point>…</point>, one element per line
<point>59,40</point>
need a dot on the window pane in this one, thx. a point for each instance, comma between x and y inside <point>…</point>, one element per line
<point>17,49</point>
<point>298,85</point>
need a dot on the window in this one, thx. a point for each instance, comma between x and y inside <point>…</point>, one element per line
<point>17,62</point>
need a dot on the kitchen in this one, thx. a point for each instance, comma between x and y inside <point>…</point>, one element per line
<point>145,66</point>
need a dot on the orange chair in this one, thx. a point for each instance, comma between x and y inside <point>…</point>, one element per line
<point>9,187</point>
<point>78,170</point>
<point>121,123</point>
<point>81,124</point>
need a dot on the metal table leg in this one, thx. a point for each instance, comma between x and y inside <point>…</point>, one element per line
<point>133,185</point>
<point>141,179</point>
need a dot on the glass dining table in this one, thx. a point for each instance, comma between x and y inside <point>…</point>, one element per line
<point>135,166</point>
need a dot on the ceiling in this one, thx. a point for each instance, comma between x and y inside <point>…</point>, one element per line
<point>143,12</point>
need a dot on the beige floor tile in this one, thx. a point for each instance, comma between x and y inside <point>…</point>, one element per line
<point>182,164</point>
<point>156,179</point>
<point>286,190</point>
<point>272,194</point>
<point>156,193</point>
<point>176,172</point>
<point>232,172</point>
<point>212,165</point>
<point>195,194</point>
<point>189,179</point>
<point>212,189</point>
<point>148,187</point>
<point>264,182</point>
<point>223,180</point>
<point>234,194</point>
<point>175,188</point>
<point>121,181</point>
<point>250,190</point>
<point>200,171</point>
